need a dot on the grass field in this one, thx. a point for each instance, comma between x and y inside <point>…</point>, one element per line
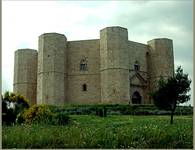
<point>114,131</point>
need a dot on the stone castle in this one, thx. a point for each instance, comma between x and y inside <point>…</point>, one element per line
<point>111,69</point>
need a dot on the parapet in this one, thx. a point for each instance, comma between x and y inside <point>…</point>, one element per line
<point>114,28</point>
<point>163,41</point>
<point>52,34</point>
<point>114,33</point>
<point>159,39</point>
<point>26,50</point>
<point>160,44</point>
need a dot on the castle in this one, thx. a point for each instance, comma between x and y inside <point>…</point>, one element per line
<point>111,69</point>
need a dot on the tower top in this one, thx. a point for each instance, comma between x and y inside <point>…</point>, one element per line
<point>114,28</point>
<point>52,34</point>
<point>159,39</point>
<point>25,50</point>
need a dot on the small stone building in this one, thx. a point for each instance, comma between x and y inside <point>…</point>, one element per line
<point>111,69</point>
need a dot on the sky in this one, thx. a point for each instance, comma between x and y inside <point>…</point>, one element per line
<point>24,21</point>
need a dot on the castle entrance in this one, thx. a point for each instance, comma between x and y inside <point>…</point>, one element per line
<point>136,98</point>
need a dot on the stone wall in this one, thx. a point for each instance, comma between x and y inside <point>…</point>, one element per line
<point>137,52</point>
<point>114,70</point>
<point>160,60</point>
<point>25,74</point>
<point>51,69</point>
<point>88,50</point>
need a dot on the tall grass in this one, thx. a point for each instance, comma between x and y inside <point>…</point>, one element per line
<point>110,132</point>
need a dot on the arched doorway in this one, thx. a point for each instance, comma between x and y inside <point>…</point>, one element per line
<point>136,98</point>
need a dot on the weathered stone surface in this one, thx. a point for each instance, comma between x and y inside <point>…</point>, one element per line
<point>51,70</point>
<point>161,60</point>
<point>114,65</point>
<point>77,50</point>
<point>108,66</point>
<point>25,74</point>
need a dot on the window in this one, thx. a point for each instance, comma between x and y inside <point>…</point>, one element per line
<point>83,67</point>
<point>136,66</point>
<point>83,64</point>
<point>84,87</point>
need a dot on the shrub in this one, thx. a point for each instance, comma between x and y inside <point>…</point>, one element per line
<point>42,114</point>
<point>38,114</point>
<point>105,111</point>
<point>114,113</point>
<point>118,109</point>
<point>20,118</point>
<point>184,110</point>
<point>102,111</point>
<point>12,105</point>
<point>60,119</point>
<point>8,117</point>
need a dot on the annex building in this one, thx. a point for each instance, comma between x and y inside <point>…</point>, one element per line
<point>111,69</point>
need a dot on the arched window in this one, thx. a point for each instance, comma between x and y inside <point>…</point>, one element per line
<point>83,64</point>
<point>136,66</point>
<point>136,98</point>
<point>84,87</point>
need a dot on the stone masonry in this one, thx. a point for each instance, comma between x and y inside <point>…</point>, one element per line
<point>111,69</point>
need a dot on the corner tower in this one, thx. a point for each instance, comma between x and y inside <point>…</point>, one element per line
<point>25,74</point>
<point>160,60</point>
<point>51,69</point>
<point>114,70</point>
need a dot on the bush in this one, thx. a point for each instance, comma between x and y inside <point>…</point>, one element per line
<point>102,111</point>
<point>38,114</point>
<point>20,118</point>
<point>12,105</point>
<point>42,114</point>
<point>184,110</point>
<point>60,119</point>
<point>8,117</point>
<point>118,109</point>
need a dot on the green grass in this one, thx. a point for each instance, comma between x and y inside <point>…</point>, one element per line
<point>110,132</point>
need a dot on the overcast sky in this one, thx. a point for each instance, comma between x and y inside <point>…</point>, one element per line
<point>24,21</point>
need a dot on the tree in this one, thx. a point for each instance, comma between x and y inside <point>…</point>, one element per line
<point>172,92</point>
<point>12,105</point>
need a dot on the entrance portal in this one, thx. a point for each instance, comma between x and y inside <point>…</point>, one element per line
<point>136,98</point>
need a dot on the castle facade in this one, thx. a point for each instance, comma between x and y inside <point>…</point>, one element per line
<point>111,69</point>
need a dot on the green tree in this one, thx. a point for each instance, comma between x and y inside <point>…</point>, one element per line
<point>172,92</point>
<point>12,105</point>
